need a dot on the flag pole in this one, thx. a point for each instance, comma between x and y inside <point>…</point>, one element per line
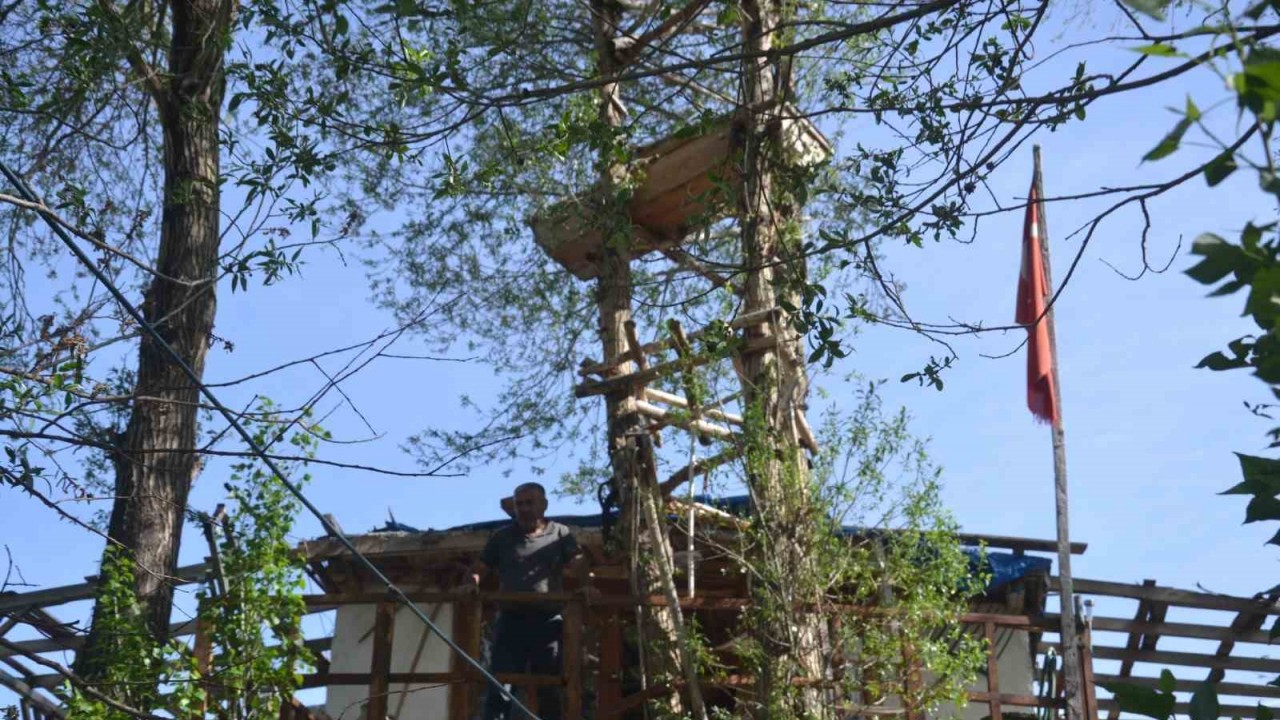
<point>1070,652</point>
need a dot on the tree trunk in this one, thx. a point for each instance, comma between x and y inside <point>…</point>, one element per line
<point>154,467</point>
<point>775,388</point>
<point>630,452</point>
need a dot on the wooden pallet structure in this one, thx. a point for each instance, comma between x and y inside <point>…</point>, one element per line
<point>681,187</point>
<point>1128,647</point>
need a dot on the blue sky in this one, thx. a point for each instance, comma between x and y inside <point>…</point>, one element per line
<point>1150,438</point>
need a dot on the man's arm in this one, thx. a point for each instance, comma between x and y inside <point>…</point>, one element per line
<point>578,563</point>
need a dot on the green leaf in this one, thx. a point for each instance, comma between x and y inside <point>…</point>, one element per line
<point>1170,142</point>
<point>1261,476</point>
<point>1275,632</point>
<point>1151,8</point>
<point>1262,508</point>
<point>1141,700</point>
<point>1264,713</point>
<point>1168,683</point>
<point>1220,259</point>
<point>1204,703</point>
<point>1157,50</point>
<point>1217,361</point>
<point>1220,168</point>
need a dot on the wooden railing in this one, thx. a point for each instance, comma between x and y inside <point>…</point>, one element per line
<point>607,615</point>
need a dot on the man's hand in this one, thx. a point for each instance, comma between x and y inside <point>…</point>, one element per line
<point>470,585</point>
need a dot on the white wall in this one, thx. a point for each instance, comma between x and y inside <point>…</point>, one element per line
<point>1017,675</point>
<point>353,653</point>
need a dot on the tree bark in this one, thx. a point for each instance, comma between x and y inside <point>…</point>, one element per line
<point>154,472</point>
<point>630,452</point>
<point>775,388</point>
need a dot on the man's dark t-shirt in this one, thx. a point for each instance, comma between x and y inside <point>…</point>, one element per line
<point>530,563</point>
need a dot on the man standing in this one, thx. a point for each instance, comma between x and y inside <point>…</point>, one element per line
<point>529,556</point>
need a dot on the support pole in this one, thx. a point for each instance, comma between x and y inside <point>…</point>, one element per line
<point>1071,672</point>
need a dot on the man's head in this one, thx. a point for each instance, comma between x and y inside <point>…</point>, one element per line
<point>530,505</point>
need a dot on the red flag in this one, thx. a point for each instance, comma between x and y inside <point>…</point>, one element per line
<point>1033,288</point>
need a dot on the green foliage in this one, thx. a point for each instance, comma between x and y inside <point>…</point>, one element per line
<point>1159,702</point>
<point>874,475</point>
<point>252,614</point>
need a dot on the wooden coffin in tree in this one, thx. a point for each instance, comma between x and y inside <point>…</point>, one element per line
<point>683,182</point>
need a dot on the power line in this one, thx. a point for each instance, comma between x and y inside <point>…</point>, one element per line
<point>395,592</point>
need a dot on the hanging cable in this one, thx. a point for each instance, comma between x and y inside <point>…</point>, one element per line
<point>25,192</point>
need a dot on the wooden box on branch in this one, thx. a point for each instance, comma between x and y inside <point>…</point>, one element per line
<point>683,181</point>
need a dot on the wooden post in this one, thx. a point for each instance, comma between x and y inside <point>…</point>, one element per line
<point>203,650</point>
<point>1066,596</point>
<point>379,685</point>
<point>1086,669</point>
<point>993,672</point>
<point>571,655</point>
<point>465,632</point>
<point>609,677</point>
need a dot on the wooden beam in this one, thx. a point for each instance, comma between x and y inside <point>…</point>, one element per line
<point>1015,700</point>
<point>665,417</point>
<point>467,619</point>
<point>75,642</point>
<point>9,602</point>
<point>1172,596</point>
<point>1244,622</point>
<point>1165,657</point>
<point>37,701</point>
<point>380,671</point>
<point>609,674</point>
<point>1173,629</point>
<point>710,411</point>
<point>1233,689</point>
<point>993,673</point>
<point>644,377</point>
<point>742,321</point>
<point>571,654</point>
<point>1134,641</point>
<point>687,472</point>
<point>315,680</point>
<point>1245,712</point>
<point>1006,542</point>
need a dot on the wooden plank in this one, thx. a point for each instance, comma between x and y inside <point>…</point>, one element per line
<point>609,677</point>
<point>1171,629</point>
<point>1015,700</point>
<point>1244,622</point>
<point>710,411</point>
<point>314,680</point>
<point>666,417</point>
<point>380,670</point>
<point>1012,621</point>
<point>10,602</point>
<point>1246,712</point>
<point>745,320</point>
<point>993,672</point>
<point>75,642</point>
<point>1233,689</point>
<point>203,651</point>
<point>1086,669</point>
<point>465,632</point>
<point>571,654</point>
<point>1252,664</point>
<point>1172,596</point>
<point>644,377</point>
<point>1134,641</point>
